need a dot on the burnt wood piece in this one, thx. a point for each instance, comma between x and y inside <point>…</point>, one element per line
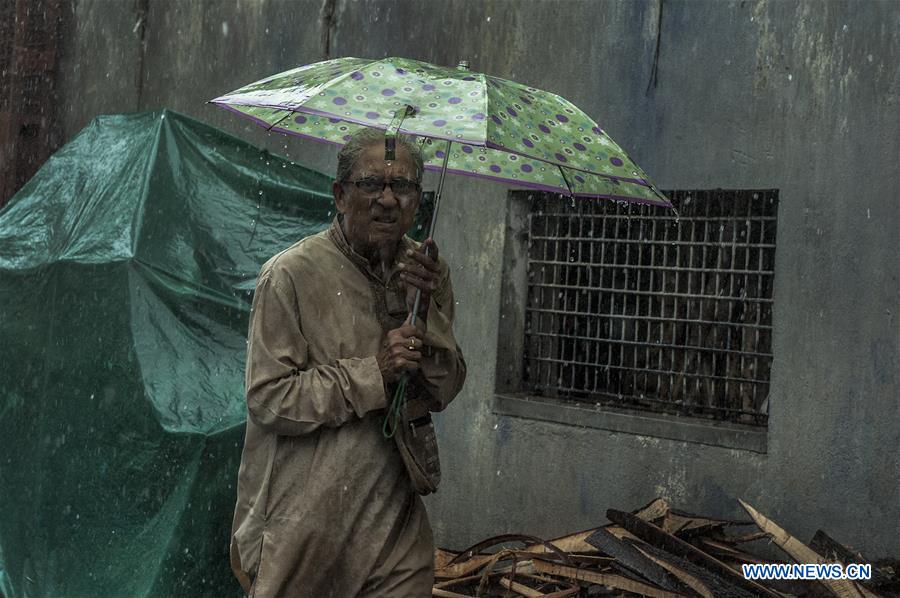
<point>502,539</point>
<point>607,579</point>
<point>628,556</point>
<point>716,520</point>
<point>546,587</point>
<point>716,584</point>
<point>657,537</point>
<point>569,543</point>
<point>688,525</point>
<point>748,537</point>
<point>830,548</point>
<point>686,578</point>
<point>726,551</point>
<point>801,553</point>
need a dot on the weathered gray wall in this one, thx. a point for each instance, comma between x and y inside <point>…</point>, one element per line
<point>798,96</point>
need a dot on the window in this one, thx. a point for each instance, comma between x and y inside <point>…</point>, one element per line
<point>630,306</point>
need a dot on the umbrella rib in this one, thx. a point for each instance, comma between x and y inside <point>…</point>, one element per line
<point>562,171</point>
<point>280,120</point>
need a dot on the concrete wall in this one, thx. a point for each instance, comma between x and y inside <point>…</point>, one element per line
<point>798,96</point>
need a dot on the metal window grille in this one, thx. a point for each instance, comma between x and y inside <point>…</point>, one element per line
<point>632,306</point>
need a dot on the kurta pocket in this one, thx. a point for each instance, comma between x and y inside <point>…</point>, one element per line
<point>262,560</point>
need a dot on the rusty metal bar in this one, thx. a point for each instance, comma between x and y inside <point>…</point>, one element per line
<point>660,345</point>
<point>636,292</point>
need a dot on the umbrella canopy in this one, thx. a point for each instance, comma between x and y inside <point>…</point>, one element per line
<point>495,128</point>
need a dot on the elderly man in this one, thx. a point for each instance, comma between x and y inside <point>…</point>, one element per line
<point>326,506</point>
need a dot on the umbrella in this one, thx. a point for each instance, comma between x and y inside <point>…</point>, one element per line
<point>468,123</point>
<point>499,129</point>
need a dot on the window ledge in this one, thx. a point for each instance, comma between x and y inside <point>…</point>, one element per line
<point>659,425</point>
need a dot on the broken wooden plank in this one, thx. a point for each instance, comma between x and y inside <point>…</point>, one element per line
<point>446,593</point>
<point>748,537</point>
<point>591,560</point>
<point>830,548</point>
<point>800,552</point>
<point>607,579</point>
<point>687,525</point>
<point>620,532</point>
<point>627,556</point>
<point>686,578</point>
<point>654,535</point>
<point>654,510</point>
<point>576,542</point>
<point>718,586</point>
<point>442,557</point>
<point>520,567</point>
<point>525,590</point>
<point>731,552</point>
<point>569,543</point>
<point>447,587</point>
<point>476,548</point>
<point>456,570</point>
<point>826,546</point>
<point>520,588</point>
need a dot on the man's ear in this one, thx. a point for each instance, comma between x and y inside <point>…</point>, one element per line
<point>337,190</point>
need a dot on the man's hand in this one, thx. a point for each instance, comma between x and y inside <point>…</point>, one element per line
<point>419,270</point>
<point>400,351</point>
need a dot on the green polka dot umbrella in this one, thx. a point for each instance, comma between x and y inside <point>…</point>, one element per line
<point>496,129</point>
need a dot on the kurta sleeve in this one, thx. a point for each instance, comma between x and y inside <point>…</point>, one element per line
<point>442,368</point>
<point>286,395</point>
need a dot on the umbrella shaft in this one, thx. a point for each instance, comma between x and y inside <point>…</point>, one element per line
<point>434,213</point>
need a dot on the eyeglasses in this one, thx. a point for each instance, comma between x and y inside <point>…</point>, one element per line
<point>399,187</point>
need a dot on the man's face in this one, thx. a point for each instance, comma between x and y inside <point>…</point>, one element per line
<point>377,218</point>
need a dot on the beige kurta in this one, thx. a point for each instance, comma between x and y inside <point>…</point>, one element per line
<point>325,506</point>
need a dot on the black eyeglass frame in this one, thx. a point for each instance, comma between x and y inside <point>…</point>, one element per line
<point>417,187</point>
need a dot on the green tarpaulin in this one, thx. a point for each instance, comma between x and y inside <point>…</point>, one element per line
<point>127,267</point>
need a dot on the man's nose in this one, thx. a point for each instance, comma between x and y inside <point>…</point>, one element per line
<point>387,197</point>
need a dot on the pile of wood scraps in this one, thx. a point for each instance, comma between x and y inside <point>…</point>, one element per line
<point>655,551</point>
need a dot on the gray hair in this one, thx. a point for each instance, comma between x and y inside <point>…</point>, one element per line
<point>363,139</point>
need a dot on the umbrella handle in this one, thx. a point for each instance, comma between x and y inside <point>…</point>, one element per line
<point>392,417</point>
